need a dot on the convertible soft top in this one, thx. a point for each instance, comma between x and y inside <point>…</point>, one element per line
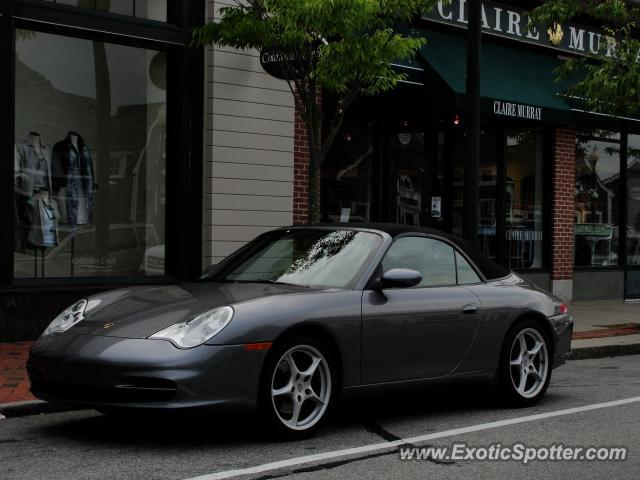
<point>489,268</point>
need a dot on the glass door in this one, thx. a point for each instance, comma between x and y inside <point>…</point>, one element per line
<point>407,172</point>
<point>632,280</point>
<point>524,186</point>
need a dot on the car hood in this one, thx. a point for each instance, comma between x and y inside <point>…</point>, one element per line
<point>142,311</point>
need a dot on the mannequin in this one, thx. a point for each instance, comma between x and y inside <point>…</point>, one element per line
<point>41,180</point>
<point>82,218</point>
<point>74,179</point>
<point>36,142</point>
<point>35,208</point>
<point>74,139</point>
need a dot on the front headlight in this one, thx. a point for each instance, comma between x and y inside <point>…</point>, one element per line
<point>67,319</point>
<point>198,330</point>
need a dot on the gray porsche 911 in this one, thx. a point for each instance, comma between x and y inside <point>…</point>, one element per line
<point>297,316</point>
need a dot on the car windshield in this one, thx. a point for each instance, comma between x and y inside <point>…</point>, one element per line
<point>307,257</point>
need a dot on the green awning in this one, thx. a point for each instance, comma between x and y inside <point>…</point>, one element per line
<point>507,74</point>
<point>412,69</point>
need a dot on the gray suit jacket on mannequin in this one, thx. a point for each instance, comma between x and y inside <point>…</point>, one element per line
<point>29,166</point>
<point>32,177</point>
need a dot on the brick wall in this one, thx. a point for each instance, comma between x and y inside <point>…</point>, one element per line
<point>564,180</point>
<point>300,172</point>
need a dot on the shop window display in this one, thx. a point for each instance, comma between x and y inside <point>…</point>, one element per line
<point>407,170</point>
<point>633,200</point>
<point>597,200</point>
<point>524,198</point>
<point>346,174</point>
<point>488,193</point>
<point>89,158</point>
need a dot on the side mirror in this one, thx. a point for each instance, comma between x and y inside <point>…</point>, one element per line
<point>399,278</point>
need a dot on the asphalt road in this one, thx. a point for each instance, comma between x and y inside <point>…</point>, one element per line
<point>86,445</point>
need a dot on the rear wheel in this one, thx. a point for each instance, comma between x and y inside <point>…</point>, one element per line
<point>297,387</point>
<point>525,364</point>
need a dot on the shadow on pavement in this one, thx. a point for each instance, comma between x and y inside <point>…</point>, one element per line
<point>361,409</point>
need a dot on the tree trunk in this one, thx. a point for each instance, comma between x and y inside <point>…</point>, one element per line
<point>314,189</point>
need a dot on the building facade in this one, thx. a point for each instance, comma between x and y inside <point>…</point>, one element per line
<point>131,158</point>
<point>558,188</point>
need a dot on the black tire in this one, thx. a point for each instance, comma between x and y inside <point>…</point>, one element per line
<point>509,375</point>
<point>273,409</point>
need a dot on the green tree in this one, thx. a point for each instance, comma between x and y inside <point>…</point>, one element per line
<point>607,82</point>
<point>332,52</point>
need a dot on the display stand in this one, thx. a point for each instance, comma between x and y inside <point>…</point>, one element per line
<point>35,261</point>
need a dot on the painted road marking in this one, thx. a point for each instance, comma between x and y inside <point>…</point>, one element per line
<point>390,446</point>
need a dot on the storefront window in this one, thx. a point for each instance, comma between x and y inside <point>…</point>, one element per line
<point>596,201</point>
<point>346,174</point>
<point>407,170</point>
<point>148,9</point>
<point>523,198</point>
<point>633,200</point>
<point>90,157</point>
<point>488,193</point>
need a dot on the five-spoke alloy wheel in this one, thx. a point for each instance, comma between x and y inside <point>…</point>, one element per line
<point>298,385</point>
<point>525,368</point>
<point>529,362</point>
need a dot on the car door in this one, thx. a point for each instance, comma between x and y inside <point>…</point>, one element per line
<point>422,331</point>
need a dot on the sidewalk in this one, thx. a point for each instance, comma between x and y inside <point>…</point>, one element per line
<point>14,386</point>
<point>602,328</point>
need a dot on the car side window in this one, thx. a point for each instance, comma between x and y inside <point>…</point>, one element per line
<point>466,274</point>
<point>432,258</point>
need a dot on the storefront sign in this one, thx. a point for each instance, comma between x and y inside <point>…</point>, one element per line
<point>274,63</point>
<point>594,230</point>
<point>514,234</point>
<point>513,23</point>
<point>517,110</point>
<point>282,66</point>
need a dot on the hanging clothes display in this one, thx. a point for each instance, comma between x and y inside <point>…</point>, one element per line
<point>74,180</point>
<point>19,208</point>
<point>35,210</point>
<point>33,166</point>
<point>43,213</point>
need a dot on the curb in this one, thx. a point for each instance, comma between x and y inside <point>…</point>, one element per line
<point>33,407</point>
<point>604,351</point>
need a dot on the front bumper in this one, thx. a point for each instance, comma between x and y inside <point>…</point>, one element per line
<point>100,371</point>
<point>562,326</point>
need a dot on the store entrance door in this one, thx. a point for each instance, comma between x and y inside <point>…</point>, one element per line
<point>416,179</point>
<point>632,271</point>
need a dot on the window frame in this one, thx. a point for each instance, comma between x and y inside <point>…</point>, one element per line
<point>473,268</point>
<point>185,105</point>
<point>178,15</point>
<point>622,129</point>
<point>456,249</point>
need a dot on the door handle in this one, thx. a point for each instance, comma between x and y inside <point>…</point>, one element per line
<point>470,309</point>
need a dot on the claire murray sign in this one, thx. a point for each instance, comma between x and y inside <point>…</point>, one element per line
<point>513,23</point>
<point>517,110</point>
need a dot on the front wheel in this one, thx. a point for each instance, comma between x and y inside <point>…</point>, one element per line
<point>525,364</point>
<point>297,387</point>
